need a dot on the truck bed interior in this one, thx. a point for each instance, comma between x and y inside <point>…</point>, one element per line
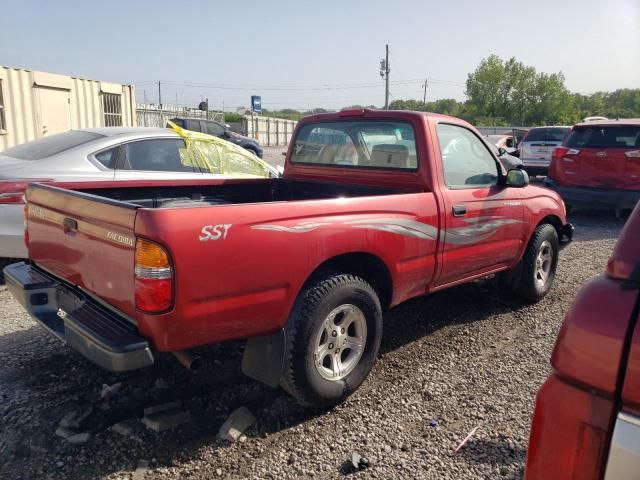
<point>273,190</point>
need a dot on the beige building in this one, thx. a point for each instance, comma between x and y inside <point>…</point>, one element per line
<point>34,104</point>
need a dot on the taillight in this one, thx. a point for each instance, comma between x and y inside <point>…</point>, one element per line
<point>568,434</point>
<point>153,277</point>
<point>26,232</point>
<point>12,191</point>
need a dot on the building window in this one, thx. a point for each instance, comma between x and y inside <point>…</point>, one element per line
<point>3,123</point>
<point>112,108</point>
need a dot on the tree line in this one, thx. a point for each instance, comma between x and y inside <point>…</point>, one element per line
<point>508,92</point>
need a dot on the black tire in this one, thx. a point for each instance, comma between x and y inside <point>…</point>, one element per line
<point>524,279</point>
<point>302,378</point>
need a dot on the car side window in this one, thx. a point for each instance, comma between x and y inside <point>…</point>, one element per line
<point>466,161</point>
<point>214,129</point>
<point>157,155</point>
<point>108,158</point>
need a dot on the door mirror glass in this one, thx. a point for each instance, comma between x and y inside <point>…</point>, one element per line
<point>517,178</point>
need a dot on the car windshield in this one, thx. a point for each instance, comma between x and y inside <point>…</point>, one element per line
<point>546,134</point>
<point>50,145</point>
<point>372,144</point>
<point>599,136</point>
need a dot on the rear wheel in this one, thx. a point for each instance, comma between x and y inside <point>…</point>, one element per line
<point>333,338</point>
<point>534,275</point>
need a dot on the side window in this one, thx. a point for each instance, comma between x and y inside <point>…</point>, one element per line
<point>466,161</point>
<point>108,158</point>
<point>158,155</point>
<point>214,129</point>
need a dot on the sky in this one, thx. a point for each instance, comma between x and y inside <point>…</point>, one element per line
<point>305,54</point>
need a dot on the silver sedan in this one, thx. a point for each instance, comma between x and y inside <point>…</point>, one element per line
<point>91,154</point>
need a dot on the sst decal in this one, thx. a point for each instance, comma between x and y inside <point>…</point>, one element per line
<point>476,230</point>
<point>215,232</point>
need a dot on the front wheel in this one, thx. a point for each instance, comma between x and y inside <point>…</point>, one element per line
<point>534,275</point>
<point>333,338</point>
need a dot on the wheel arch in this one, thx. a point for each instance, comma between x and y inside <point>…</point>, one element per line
<point>552,220</point>
<point>367,266</point>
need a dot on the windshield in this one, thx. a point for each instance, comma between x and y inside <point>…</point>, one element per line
<point>546,134</point>
<point>367,144</point>
<point>605,137</point>
<point>50,145</point>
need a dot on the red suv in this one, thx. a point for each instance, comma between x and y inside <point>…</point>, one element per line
<point>598,165</point>
<point>586,423</point>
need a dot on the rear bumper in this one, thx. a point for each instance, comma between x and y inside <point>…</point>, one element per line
<point>601,198</point>
<point>100,335</point>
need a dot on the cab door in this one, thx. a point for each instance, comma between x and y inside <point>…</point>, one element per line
<point>484,227</point>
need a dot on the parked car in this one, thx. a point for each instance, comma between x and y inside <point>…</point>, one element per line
<point>508,161</point>
<point>109,153</point>
<point>301,266</point>
<point>598,165</point>
<point>586,423</point>
<point>221,131</point>
<point>537,145</point>
<point>503,141</point>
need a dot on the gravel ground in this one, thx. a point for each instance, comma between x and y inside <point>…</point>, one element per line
<point>464,358</point>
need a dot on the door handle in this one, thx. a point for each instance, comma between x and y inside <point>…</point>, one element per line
<point>459,210</point>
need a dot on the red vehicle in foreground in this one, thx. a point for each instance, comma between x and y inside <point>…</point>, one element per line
<point>586,423</point>
<point>598,165</point>
<point>374,208</point>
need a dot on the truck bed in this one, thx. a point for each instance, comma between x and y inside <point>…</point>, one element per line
<point>276,231</point>
<point>233,192</point>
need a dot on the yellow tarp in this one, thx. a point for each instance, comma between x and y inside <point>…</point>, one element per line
<point>215,155</point>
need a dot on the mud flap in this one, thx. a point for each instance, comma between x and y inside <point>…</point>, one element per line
<point>263,358</point>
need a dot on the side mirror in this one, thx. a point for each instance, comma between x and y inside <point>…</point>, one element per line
<point>517,178</point>
<point>228,134</point>
<point>501,151</point>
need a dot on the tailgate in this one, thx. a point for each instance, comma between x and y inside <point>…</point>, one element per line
<point>86,240</point>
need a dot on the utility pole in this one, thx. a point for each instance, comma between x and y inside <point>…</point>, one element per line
<point>159,96</point>
<point>424,98</point>
<point>384,73</point>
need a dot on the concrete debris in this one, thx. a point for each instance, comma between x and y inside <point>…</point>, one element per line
<point>109,391</point>
<point>162,407</point>
<point>358,462</point>
<point>466,439</point>
<point>219,472</point>
<point>141,470</point>
<point>239,420</point>
<point>74,418</point>
<point>166,420</point>
<point>71,436</point>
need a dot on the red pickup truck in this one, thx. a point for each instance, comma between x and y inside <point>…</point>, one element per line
<point>374,208</point>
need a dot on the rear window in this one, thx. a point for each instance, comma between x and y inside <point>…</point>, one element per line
<point>51,145</point>
<point>546,134</point>
<point>605,137</point>
<point>371,144</point>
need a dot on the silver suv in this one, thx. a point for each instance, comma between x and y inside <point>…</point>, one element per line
<point>537,145</point>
